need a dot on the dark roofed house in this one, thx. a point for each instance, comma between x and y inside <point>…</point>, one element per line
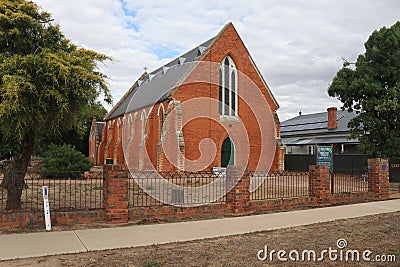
<point>302,133</point>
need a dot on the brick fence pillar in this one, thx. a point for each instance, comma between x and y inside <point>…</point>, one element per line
<point>115,193</point>
<point>281,162</point>
<point>319,181</point>
<point>239,196</point>
<point>378,173</point>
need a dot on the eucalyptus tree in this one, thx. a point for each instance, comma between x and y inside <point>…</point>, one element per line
<point>372,89</point>
<point>46,82</point>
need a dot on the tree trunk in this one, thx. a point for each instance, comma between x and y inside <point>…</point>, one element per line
<point>7,165</point>
<point>16,178</point>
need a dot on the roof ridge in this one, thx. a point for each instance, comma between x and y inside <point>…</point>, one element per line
<point>169,64</point>
<point>318,113</point>
<point>146,75</point>
<point>133,87</point>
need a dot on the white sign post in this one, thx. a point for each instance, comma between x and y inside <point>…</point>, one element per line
<point>46,206</point>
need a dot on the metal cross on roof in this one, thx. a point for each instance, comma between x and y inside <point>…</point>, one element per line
<point>145,68</point>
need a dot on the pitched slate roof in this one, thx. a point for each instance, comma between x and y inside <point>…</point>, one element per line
<point>158,85</point>
<point>315,124</point>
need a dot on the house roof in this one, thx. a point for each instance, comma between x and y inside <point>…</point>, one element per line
<point>320,141</point>
<point>159,84</point>
<point>315,124</point>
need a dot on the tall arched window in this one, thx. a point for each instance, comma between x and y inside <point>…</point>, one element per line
<point>143,118</point>
<point>228,88</point>
<point>161,115</point>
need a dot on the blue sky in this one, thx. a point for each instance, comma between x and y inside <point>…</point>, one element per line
<point>297,45</point>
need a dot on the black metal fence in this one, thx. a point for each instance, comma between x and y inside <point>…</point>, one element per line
<point>77,194</point>
<point>148,189</point>
<point>345,181</point>
<point>299,162</point>
<point>274,185</point>
<point>341,162</point>
<point>345,163</point>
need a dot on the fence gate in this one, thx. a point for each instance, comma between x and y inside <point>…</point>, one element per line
<point>349,181</point>
<point>394,170</point>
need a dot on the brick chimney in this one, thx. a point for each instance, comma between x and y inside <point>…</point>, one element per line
<point>332,118</point>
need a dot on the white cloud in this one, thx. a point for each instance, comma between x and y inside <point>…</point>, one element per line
<point>298,45</point>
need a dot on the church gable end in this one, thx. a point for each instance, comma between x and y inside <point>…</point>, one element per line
<point>157,107</point>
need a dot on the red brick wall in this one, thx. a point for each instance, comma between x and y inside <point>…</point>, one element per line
<point>319,182</point>
<point>57,218</point>
<point>92,146</point>
<point>115,193</point>
<point>134,142</point>
<point>378,172</point>
<point>110,138</point>
<point>102,147</point>
<point>153,132</point>
<point>259,206</point>
<point>238,198</point>
<point>332,118</point>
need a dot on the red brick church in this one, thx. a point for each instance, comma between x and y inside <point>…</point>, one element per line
<point>208,108</point>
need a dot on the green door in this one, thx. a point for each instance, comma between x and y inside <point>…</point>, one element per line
<point>227,153</point>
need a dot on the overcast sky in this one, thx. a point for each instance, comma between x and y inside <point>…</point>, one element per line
<point>297,45</point>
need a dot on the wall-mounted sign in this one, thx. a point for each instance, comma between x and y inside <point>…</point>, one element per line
<point>324,156</point>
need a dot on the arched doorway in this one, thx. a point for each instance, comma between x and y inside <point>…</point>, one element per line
<point>227,153</point>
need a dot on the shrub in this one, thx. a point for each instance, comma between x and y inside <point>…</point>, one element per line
<point>63,161</point>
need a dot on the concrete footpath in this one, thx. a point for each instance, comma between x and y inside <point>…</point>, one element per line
<point>15,246</point>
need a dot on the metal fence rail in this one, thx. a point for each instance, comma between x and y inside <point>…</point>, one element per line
<point>279,184</point>
<point>148,189</point>
<point>301,162</point>
<point>349,181</point>
<point>67,194</point>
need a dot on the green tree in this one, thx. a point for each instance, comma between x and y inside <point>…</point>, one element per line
<point>45,83</point>
<point>372,90</point>
<point>77,136</point>
<point>7,147</point>
<point>63,161</point>
<point>81,134</point>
